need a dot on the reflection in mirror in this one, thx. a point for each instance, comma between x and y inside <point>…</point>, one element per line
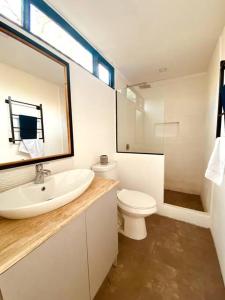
<point>34,118</point>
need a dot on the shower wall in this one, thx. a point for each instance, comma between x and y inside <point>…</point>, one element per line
<point>184,101</point>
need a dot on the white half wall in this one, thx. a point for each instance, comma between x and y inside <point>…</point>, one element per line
<point>142,172</point>
<point>191,216</point>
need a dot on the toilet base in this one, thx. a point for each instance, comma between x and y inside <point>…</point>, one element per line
<point>133,227</point>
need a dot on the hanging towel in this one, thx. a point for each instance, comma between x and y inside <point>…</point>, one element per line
<point>223,97</point>
<point>28,127</point>
<point>33,147</point>
<point>216,166</point>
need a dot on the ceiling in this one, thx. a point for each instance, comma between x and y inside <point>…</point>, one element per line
<point>141,36</point>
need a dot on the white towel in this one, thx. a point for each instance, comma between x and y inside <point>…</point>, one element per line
<point>216,166</point>
<point>33,147</point>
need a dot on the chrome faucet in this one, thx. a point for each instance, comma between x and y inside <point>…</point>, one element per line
<point>40,174</point>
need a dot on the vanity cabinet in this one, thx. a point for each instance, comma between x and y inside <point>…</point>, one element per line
<point>71,264</point>
<point>102,239</point>
<point>56,270</point>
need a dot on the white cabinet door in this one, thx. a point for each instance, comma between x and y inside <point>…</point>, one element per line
<point>57,270</point>
<point>102,239</point>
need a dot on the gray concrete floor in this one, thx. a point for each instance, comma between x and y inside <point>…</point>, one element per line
<point>176,261</point>
<point>184,200</point>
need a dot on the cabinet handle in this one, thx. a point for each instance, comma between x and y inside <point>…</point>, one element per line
<point>1,297</point>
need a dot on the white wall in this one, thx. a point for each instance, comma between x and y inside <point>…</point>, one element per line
<point>94,120</point>
<point>211,119</point>
<point>213,193</point>
<point>31,89</point>
<point>184,102</point>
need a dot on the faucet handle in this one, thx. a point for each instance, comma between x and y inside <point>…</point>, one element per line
<point>39,167</point>
<point>47,172</point>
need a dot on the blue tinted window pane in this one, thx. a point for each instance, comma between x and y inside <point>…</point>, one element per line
<point>103,74</point>
<point>52,33</point>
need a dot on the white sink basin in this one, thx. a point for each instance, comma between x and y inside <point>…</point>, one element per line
<point>31,199</point>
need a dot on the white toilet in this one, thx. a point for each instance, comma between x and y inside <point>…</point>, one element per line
<point>133,206</point>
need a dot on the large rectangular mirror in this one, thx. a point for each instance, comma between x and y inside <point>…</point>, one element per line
<point>35,106</point>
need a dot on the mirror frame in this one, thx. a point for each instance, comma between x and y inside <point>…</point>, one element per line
<point>34,45</point>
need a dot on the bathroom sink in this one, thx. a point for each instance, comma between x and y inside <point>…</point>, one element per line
<point>31,199</point>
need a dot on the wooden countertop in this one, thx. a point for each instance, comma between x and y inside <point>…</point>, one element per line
<point>20,237</point>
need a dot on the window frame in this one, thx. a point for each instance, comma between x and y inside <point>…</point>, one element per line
<point>59,20</point>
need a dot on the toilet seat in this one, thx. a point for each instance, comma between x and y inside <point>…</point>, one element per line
<point>135,212</point>
<point>133,206</point>
<point>135,200</point>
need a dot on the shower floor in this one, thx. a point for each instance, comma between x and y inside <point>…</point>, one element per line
<point>184,200</point>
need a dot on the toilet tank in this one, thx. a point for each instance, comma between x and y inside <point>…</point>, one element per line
<point>107,171</point>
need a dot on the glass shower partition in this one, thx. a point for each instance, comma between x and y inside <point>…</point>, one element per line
<point>140,121</point>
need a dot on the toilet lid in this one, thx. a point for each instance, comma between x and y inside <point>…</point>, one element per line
<point>136,199</point>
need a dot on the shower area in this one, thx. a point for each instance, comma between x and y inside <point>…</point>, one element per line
<point>167,118</point>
